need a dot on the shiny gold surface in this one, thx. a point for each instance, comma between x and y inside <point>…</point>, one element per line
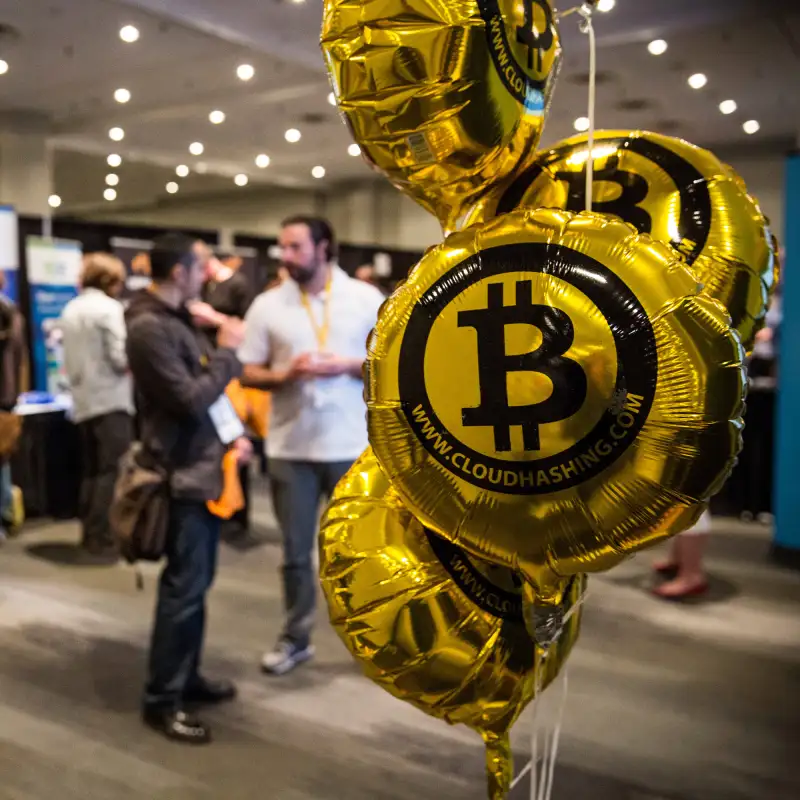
<point>427,622</point>
<point>678,193</point>
<point>444,98</point>
<point>553,392</point>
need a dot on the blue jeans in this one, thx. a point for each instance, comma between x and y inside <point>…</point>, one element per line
<point>6,495</point>
<point>297,487</point>
<point>177,642</point>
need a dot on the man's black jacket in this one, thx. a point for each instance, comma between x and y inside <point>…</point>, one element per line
<point>177,379</point>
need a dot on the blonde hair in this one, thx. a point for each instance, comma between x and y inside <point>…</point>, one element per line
<point>102,271</point>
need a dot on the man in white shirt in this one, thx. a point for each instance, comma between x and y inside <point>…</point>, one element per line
<point>305,342</point>
<point>93,327</point>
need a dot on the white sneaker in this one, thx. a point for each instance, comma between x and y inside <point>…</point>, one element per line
<point>285,657</point>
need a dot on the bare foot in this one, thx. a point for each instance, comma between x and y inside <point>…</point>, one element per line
<point>682,587</point>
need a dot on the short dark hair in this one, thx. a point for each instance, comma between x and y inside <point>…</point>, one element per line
<point>169,250</point>
<point>321,231</point>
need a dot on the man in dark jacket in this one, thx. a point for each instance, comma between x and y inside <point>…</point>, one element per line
<point>186,424</point>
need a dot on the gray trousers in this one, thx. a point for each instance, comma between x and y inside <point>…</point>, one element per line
<point>297,487</point>
<point>104,440</point>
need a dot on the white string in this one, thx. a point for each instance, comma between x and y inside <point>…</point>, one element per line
<point>542,787</point>
<point>587,27</point>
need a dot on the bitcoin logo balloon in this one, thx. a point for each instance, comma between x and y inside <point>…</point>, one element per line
<point>427,622</point>
<point>552,392</point>
<point>672,190</point>
<point>494,365</point>
<point>444,99</point>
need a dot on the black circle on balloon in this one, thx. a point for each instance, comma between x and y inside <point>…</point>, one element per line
<point>695,209</point>
<point>473,583</point>
<point>634,389</point>
<point>515,77</point>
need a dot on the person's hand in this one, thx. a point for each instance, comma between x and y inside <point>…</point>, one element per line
<point>231,333</point>
<point>764,335</point>
<point>300,368</point>
<point>329,365</point>
<point>244,449</point>
<point>204,315</point>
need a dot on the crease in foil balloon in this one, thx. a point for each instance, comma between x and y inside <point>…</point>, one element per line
<point>429,623</point>
<point>445,99</point>
<point>532,362</point>
<point>665,187</point>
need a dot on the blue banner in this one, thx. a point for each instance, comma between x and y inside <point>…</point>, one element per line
<point>9,252</point>
<point>787,439</point>
<point>54,268</point>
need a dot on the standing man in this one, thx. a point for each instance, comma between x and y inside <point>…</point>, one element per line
<point>227,289</point>
<point>186,426</point>
<point>93,327</point>
<point>306,342</point>
<point>13,382</point>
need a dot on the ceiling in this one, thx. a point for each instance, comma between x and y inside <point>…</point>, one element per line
<point>66,60</point>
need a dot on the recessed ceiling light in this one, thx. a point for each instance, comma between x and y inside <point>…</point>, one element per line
<point>332,99</point>
<point>298,2</point>
<point>110,194</point>
<point>606,5</point>
<point>216,117</point>
<point>116,134</point>
<point>728,106</point>
<point>245,72</point>
<point>3,70</point>
<point>318,172</point>
<point>293,135</point>
<point>181,170</point>
<point>196,148</point>
<point>581,124</point>
<point>129,34</point>
<point>354,150</point>
<point>241,179</point>
<point>752,126</point>
<point>657,47</point>
<point>698,80</point>
<point>262,161</point>
<point>54,201</point>
<point>112,179</point>
<point>172,187</point>
<point>114,160</point>
<point>122,95</point>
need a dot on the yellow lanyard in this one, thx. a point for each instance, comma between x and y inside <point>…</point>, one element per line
<point>320,331</point>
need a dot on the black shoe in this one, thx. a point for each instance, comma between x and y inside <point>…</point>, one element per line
<point>208,692</point>
<point>177,725</point>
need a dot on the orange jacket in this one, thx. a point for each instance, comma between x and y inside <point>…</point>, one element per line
<point>252,406</point>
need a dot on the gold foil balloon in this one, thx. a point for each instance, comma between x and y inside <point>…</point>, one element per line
<point>552,392</point>
<point>427,622</point>
<point>676,192</point>
<point>445,98</point>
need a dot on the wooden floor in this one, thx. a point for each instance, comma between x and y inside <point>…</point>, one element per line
<point>665,702</point>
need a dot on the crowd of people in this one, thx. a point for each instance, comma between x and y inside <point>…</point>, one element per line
<point>158,370</point>
<point>153,375</point>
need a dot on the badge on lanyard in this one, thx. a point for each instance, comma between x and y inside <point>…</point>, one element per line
<point>226,421</point>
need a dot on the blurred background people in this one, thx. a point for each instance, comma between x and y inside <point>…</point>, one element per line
<point>227,289</point>
<point>14,380</point>
<point>179,382</point>
<point>306,342</point>
<point>683,568</point>
<point>93,330</point>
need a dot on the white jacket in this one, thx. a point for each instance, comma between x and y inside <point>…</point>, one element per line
<point>93,327</point>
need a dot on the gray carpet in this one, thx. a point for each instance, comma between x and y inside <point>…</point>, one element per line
<point>665,702</point>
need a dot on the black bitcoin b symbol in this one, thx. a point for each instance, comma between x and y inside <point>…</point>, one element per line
<point>633,190</point>
<point>538,43</point>
<point>569,379</point>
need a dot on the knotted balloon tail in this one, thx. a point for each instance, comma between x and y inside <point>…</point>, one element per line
<point>499,764</point>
